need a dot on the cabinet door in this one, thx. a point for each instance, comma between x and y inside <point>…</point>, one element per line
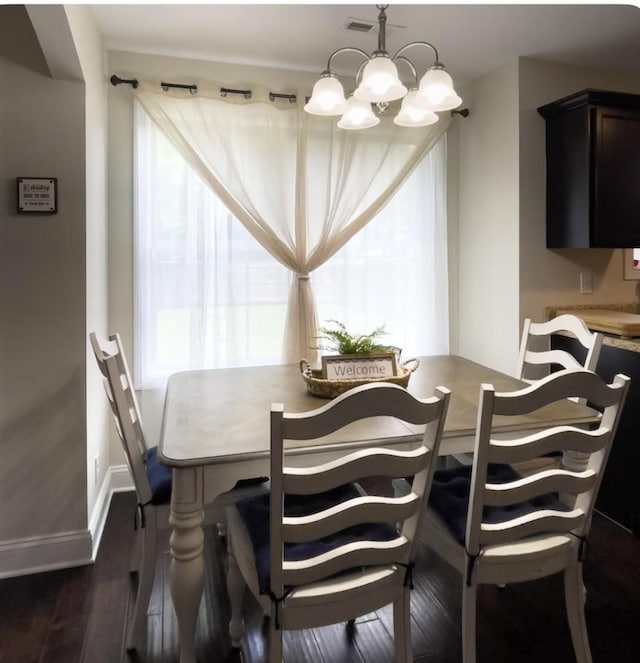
<point>568,179</point>
<point>616,173</point>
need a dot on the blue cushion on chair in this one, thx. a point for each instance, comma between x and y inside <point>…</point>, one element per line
<point>159,477</point>
<point>255,514</point>
<point>449,498</point>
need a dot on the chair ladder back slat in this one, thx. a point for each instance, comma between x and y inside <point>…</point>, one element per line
<point>350,556</point>
<point>556,387</point>
<point>537,522</point>
<point>363,463</point>
<point>553,357</point>
<point>342,411</point>
<point>347,514</point>
<point>540,483</point>
<point>567,438</point>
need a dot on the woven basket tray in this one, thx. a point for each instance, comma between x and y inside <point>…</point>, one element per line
<point>319,386</point>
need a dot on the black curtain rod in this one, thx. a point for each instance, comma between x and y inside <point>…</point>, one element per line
<point>181,86</point>
<point>116,80</point>
<point>275,95</point>
<point>225,91</point>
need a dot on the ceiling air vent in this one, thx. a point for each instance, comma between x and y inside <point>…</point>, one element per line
<point>359,25</point>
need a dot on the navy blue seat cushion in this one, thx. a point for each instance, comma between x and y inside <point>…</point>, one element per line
<point>449,498</point>
<point>159,477</point>
<point>255,514</point>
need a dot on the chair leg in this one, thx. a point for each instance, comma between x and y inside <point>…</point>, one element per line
<point>469,598</point>
<point>574,595</point>
<point>275,642</point>
<point>402,627</point>
<point>136,552</point>
<point>146,575</point>
<point>236,588</point>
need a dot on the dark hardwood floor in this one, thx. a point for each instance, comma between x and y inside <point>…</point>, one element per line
<point>79,614</point>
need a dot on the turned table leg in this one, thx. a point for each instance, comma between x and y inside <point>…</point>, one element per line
<point>187,565</point>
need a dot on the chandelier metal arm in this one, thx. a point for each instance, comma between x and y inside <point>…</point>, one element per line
<point>344,50</point>
<point>410,64</point>
<point>420,43</point>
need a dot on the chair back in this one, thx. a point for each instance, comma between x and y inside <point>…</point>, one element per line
<point>124,408</point>
<point>549,501</point>
<point>397,517</point>
<point>535,345</point>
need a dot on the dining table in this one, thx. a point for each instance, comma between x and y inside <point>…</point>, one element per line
<point>215,432</point>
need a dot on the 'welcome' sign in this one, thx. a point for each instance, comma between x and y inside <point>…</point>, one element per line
<point>359,367</point>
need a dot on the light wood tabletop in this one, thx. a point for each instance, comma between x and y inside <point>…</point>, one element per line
<point>217,416</point>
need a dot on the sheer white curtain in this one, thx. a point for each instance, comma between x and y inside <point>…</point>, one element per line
<point>299,185</point>
<point>395,271</point>
<point>208,293</point>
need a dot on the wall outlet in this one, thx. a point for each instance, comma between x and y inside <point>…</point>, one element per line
<point>586,285</point>
<point>96,470</point>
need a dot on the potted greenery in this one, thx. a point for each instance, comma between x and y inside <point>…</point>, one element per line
<point>345,343</point>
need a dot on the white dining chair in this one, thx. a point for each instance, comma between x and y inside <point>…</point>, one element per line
<point>497,527</point>
<point>536,355</point>
<point>319,550</point>
<point>151,480</point>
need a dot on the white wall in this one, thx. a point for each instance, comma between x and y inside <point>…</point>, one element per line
<point>52,288</point>
<point>42,335</point>
<point>92,57</point>
<point>488,224</point>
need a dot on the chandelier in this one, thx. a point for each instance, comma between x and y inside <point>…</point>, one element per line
<point>377,82</point>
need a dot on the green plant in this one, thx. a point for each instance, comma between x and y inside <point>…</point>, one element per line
<point>344,343</point>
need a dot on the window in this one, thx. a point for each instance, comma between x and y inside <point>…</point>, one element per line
<point>208,295</point>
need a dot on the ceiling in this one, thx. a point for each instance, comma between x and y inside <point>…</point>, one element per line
<point>472,39</point>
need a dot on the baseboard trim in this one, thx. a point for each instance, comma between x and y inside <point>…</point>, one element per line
<point>117,480</point>
<point>64,549</point>
<point>45,553</point>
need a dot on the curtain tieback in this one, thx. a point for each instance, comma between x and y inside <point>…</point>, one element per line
<point>303,277</point>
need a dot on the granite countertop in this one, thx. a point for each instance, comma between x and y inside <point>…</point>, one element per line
<point>631,344</point>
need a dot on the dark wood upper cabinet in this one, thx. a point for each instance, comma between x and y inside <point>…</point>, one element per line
<point>593,170</point>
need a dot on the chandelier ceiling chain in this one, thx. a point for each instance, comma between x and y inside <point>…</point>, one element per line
<point>377,82</point>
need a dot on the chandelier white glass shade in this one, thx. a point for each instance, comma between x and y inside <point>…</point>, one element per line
<point>378,83</point>
<point>436,91</point>
<point>412,114</point>
<point>359,115</point>
<point>328,97</point>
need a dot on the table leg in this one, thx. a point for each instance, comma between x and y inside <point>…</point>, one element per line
<point>187,565</point>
